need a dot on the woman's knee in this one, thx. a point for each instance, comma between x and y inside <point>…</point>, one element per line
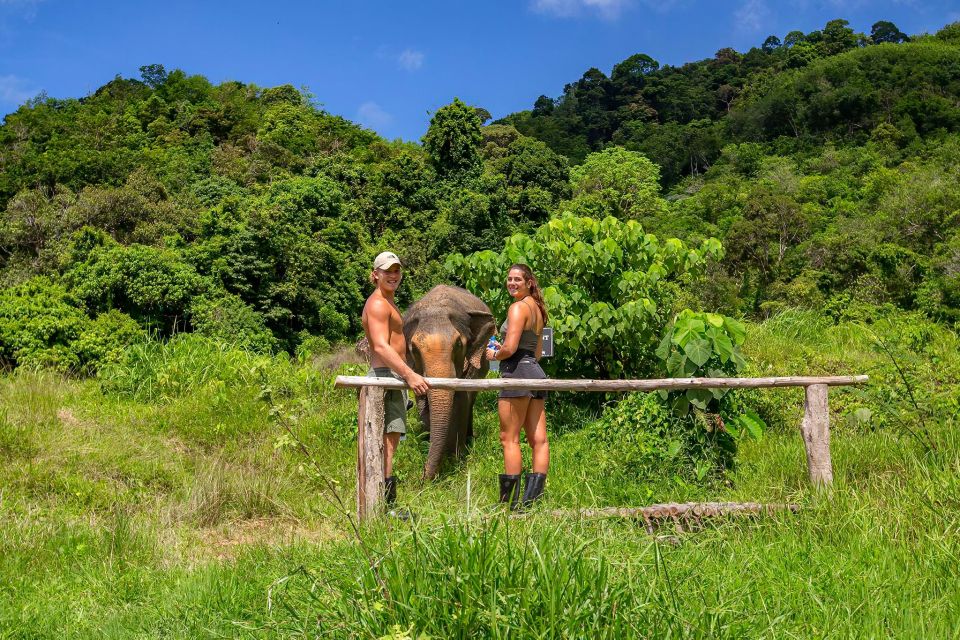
<point>510,439</point>
<point>538,439</point>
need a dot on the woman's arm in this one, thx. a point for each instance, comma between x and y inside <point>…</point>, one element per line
<point>516,321</point>
<point>539,346</point>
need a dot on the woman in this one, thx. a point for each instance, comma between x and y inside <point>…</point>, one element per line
<point>519,353</point>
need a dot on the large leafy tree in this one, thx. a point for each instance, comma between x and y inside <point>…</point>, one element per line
<point>453,139</point>
<point>618,182</point>
<point>610,288</point>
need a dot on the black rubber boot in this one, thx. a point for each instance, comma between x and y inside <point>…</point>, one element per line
<point>390,491</point>
<point>390,497</point>
<point>510,489</point>
<point>533,489</point>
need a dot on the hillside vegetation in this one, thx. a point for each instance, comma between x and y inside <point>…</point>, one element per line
<point>167,204</point>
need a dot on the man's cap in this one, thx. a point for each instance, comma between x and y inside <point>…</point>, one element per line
<point>386,260</point>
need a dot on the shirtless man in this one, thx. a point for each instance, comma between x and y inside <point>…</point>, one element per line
<point>383,325</point>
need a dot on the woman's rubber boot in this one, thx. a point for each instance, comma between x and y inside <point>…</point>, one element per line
<point>510,488</point>
<point>533,490</point>
<point>390,497</point>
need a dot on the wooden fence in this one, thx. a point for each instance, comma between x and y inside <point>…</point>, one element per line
<point>815,427</point>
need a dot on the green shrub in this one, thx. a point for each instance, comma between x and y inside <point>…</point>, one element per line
<point>227,318</point>
<point>652,441</point>
<point>39,322</point>
<point>153,285</point>
<point>42,325</point>
<point>473,581</point>
<point>189,362</point>
<point>610,288</point>
<point>700,344</point>
<point>106,338</point>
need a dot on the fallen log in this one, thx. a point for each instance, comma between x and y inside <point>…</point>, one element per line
<point>680,514</point>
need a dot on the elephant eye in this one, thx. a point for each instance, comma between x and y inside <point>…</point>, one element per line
<point>417,357</point>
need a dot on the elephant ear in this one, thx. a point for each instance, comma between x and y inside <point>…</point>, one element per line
<point>482,327</point>
<point>362,349</point>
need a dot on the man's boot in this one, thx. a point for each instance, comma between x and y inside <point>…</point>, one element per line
<point>390,497</point>
<point>390,491</point>
<point>533,489</point>
<point>510,488</point>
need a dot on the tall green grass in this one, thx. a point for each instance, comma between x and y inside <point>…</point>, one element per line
<point>134,507</point>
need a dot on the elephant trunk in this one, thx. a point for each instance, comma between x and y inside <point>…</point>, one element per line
<point>441,410</point>
<point>437,364</point>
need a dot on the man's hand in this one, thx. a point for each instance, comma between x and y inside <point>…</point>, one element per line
<point>416,382</point>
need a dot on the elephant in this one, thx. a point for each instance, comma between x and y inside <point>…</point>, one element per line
<point>447,332</point>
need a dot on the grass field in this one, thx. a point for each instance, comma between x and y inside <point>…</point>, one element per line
<point>167,500</point>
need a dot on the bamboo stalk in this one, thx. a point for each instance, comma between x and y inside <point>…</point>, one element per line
<point>606,385</point>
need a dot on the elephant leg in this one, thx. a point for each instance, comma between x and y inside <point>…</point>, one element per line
<point>471,402</point>
<point>461,424</point>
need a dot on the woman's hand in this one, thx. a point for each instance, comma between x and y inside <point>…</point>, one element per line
<point>493,347</point>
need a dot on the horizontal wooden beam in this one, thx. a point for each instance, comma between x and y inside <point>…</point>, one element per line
<point>668,384</point>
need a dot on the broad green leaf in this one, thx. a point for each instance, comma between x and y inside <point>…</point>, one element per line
<point>681,405</point>
<point>663,350</point>
<point>715,320</point>
<point>753,423</point>
<point>675,365</point>
<point>699,397</point>
<point>736,329</point>
<point>732,427</point>
<point>738,360</point>
<point>698,350</point>
<point>721,343</point>
<point>861,417</point>
<point>687,328</point>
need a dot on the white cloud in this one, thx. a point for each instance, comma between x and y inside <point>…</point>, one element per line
<point>14,90</point>
<point>373,115</point>
<point>26,8</point>
<point>410,59</point>
<point>752,16</point>
<point>607,9</point>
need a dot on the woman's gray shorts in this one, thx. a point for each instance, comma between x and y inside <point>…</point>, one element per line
<point>394,402</point>
<point>526,366</point>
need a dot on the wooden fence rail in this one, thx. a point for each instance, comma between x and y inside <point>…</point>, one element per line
<point>815,427</point>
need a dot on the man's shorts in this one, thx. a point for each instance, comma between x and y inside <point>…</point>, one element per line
<point>394,403</point>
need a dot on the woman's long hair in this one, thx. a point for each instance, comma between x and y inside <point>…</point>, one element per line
<point>534,286</point>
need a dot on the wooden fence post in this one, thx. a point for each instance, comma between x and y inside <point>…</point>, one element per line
<point>370,453</point>
<point>815,430</point>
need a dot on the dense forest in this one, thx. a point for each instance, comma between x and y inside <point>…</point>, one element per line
<point>826,164</point>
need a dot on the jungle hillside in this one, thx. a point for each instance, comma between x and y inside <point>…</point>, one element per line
<point>182,269</point>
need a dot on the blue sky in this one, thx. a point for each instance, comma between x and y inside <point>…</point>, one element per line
<point>389,65</point>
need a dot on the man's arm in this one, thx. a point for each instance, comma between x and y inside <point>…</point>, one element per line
<point>378,325</point>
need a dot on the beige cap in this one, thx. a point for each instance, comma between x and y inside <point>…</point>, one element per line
<point>386,260</point>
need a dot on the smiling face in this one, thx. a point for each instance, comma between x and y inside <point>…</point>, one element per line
<point>517,285</point>
<point>389,279</point>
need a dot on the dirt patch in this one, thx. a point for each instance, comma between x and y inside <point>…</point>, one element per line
<point>67,419</point>
<point>227,541</point>
<point>344,355</point>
